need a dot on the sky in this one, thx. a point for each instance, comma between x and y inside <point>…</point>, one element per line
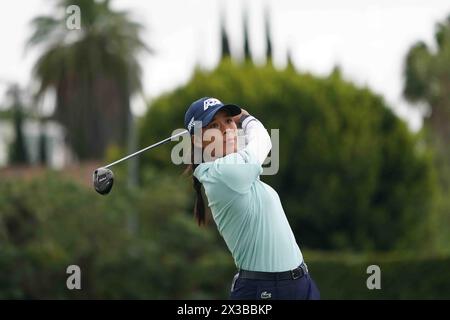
<point>368,39</point>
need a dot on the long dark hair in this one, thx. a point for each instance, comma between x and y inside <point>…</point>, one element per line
<point>199,205</point>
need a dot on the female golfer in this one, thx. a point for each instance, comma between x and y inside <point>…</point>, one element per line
<point>247,212</point>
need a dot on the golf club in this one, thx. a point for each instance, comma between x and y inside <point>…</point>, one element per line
<point>103,178</point>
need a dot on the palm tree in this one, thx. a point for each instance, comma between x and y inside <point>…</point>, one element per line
<point>18,151</point>
<point>427,80</point>
<point>94,71</point>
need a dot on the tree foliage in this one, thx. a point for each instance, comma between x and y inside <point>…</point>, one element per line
<point>93,70</point>
<point>427,80</point>
<point>18,152</point>
<point>351,174</point>
<point>49,223</point>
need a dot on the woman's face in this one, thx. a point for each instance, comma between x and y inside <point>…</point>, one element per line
<point>219,137</point>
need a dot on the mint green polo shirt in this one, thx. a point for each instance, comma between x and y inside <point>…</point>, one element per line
<point>248,214</point>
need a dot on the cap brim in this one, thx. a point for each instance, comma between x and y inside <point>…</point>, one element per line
<point>232,109</point>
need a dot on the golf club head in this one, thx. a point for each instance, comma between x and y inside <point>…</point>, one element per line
<point>103,180</point>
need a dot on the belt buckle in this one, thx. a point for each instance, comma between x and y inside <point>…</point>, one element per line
<point>293,273</point>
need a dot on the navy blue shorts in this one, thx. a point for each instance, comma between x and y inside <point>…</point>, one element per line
<point>302,288</point>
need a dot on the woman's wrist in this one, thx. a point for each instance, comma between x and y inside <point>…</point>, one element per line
<point>240,118</point>
<point>246,120</point>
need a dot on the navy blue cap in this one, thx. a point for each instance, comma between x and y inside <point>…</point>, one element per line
<point>205,109</point>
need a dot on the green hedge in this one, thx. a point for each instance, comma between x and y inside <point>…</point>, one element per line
<point>49,223</point>
<point>341,276</point>
<point>351,175</point>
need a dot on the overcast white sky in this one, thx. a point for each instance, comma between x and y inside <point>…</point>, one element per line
<point>367,38</point>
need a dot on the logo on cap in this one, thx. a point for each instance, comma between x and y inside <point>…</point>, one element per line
<point>190,124</point>
<point>210,102</point>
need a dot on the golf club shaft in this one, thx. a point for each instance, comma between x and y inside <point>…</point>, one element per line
<point>146,148</point>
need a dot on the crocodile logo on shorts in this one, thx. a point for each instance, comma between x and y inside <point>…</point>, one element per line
<point>266,295</point>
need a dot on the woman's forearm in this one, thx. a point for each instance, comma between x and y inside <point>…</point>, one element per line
<point>257,138</point>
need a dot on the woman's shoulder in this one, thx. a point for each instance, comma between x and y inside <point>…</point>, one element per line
<point>217,165</point>
<point>201,169</point>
